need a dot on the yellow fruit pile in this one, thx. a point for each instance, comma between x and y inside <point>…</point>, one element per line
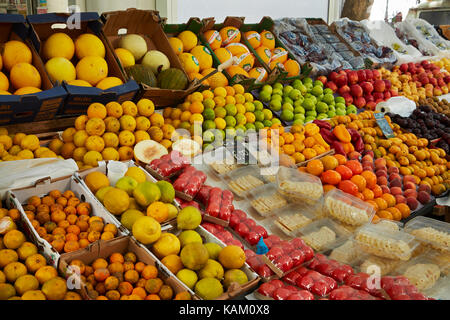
<point>19,76</point>
<point>110,132</point>
<point>443,63</point>
<point>60,53</point>
<point>21,146</point>
<point>24,273</point>
<point>196,59</point>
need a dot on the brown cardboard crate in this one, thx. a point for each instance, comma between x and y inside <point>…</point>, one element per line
<point>124,244</point>
<point>147,24</point>
<point>17,197</point>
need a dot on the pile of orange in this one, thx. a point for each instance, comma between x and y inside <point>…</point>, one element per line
<point>65,222</point>
<point>123,277</point>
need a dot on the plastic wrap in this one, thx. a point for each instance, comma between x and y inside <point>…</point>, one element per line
<point>430,231</point>
<point>240,181</point>
<point>267,200</point>
<point>331,268</point>
<point>299,186</point>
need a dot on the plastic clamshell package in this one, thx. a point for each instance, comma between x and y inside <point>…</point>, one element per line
<point>378,240</point>
<point>323,234</point>
<point>347,209</point>
<point>219,162</point>
<point>299,186</point>
<point>241,180</point>
<point>291,219</point>
<point>431,231</point>
<point>267,200</point>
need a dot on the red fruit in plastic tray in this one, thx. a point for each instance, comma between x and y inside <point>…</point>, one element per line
<point>309,253</point>
<point>357,281</point>
<point>241,214</point>
<point>252,238</point>
<point>251,224</point>
<point>349,293</point>
<point>225,214</point>
<point>281,294</point>
<point>291,277</point>
<point>298,257</point>
<point>341,273</point>
<point>274,253</point>
<point>249,253</point>
<point>236,242</point>
<point>242,229</point>
<point>301,295</point>
<point>287,247</point>
<point>203,195</point>
<point>264,271</point>
<point>322,288</point>
<point>266,289</point>
<point>261,231</point>
<point>227,195</point>
<point>234,221</point>
<point>209,227</point>
<point>274,239</point>
<point>291,288</point>
<point>213,208</point>
<point>284,263</point>
<point>302,271</point>
<point>254,262</point>
<point>277,283</point>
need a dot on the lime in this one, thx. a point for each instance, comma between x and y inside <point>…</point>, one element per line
<point>287,115</point>
<point>209,103</point>
<point>258,105</point>
<point>317,91</point>
<point>299,109</point>
<point>209,124</point>
<point>309,104</point>
<point>275,105</point>
<point>240,129</point>
<point>267,114</point>
<point>185,125</point>
<point>220,112</point>
<point>259,115</point>
<point>267,123</point>
<point>321,107</point>
<point>259,125</point>
<point>209,114</point>
<point>250,126</point>
<point>249,107</point>
<point>264,96</point>
<point>267,88</point>
<point>230,132</point>
<point>241,119</point>
<point>231,109</point>
<point>231,121</point>
<point>208,136</point>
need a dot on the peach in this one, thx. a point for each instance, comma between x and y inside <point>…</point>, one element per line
<point>395,176</point>
<point>367,158</point>
<point>381,173</point>
<point>396,191</point>
<point>382,181</point>
<point>409,185</point>
<point>392,170</point>
<point>412,203</point>
<point>354,155</point>
<point>400,199</point>
<point>410,193</point>
<point>395,183</point>
<point>380,162</point>
<point>385,189</point>
<point>424,197</point>
<point>367,168</point>
<point>409,178</point>
<point>425,187</point>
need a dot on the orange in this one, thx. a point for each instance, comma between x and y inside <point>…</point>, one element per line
<point>390,199</point>
<point>355,166</point>
<point>131,276</point>
<point>381,203</point>
<point>396,214</point>
<point>344,171</point>
<point>315,167</point>
<point>383,214</point>
<point>331,177</point>
<point>149,272</point>
<point>125,288</point>
<point>196,107</point>
<point>371,178</point>
<point>71,245</point>
<point>359,181</point>
<point>377,191</point>
<point>288,137</point>
<point>25,75</point>
<point>404,209</point>
<point>309,142</point>
<point>288,149</point>
<point>340,158</point>
<point>158,210</point>
<point>329,162</point>
<point>328,187</point>
<point>368,194</point>
<point>309,153</point>
<point>96,110</point>
<point>373,204</point>
<point>100,263</point>
<point>139,266</point>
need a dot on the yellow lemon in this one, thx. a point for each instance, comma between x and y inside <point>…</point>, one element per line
<point>203,56</point>
<point>189,40</point>
<point>177,45</point>
<point>60,69</point>
<point>213,38</point>
<point>189,62</point>
<point>109,82</point>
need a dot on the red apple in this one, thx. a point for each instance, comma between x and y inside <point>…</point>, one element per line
<point>367,87</point>
<point>387,84</point>
<point>361,75</point>
<point>433,81</point>
<point>369,97</point>
<point>322,79</point>
<point>356,90</point>
<point>378,96</point>
<point>332,86</point>
<point>360,102</point>
<point>332,76</point>
<point>376,74</point>
<point>352,77</point>
<point>403,67</point>
<point>371,105</point>
<point>344,89</point>
<point>393,92</point>
<point>348,98</point>
<point>369,74</point>
<point>387,95</point>
<point>379,86</point>
<point>341,80</point>
<point>426,64</point>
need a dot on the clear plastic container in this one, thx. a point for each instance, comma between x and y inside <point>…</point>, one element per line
<point>430,231</point>
<point>323,234</point>
<point>347,253</point>
<point>219,162</point>
<point>291,219</point>
<point>240,181</point>
<point>383,242</point>
<point>299,186</point>
<point>347,209</point>
<point>266,200</point>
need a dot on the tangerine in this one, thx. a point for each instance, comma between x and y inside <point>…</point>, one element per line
<point>359,181</point>
<point>345,172</point>
<point>331,177</point>
<point>315,167</point>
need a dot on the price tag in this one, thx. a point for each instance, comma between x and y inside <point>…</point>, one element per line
<point>384,125</point>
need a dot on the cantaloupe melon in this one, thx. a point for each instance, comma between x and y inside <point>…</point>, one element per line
<point>135,44</point>
<point>156,60</point>
<point>148,150</point>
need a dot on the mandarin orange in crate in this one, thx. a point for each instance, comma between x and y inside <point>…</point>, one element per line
<point>63,217</point>
<point>122,269</point>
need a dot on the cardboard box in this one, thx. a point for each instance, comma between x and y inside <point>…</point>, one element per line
<point>124,244</point>
<point>32,107</point>
<point>234,290</point>
<point>146,23</point>
<point>79,98</point>
<point>15,198</point>
<point>104,167</point>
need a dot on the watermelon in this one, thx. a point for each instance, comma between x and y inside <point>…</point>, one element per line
<point>142,74</point>
<point>172,78</point>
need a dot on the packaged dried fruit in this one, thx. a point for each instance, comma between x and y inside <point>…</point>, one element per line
<point>220,162</point>
<point>299,186</point>
<point>244,179</point>
<point>293,218</point>
<point>377,240</point>
<point>347,209</point>
<point>267,200</point>
<point>430,231</point>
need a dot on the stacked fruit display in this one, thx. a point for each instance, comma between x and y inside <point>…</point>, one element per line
<point>444,63</point>
<point>87,52</point>
<point>363,88</point>
<point>24,273</point>
<point>21,146</point>
<point>222,234</point>
<point>218,203</point>
<point>110,132</point>
<point>150,67</point>
<point>304,101</point>
<point>124,277</point>
<point>439,106</point>
<point>427,124</point>
<point>247,228</point>
<point>66,222</point>
<point>278,290</point>
<point>224,108</point>
<point>418,80</point>
<point>133,197</point>
<point>19,76</point>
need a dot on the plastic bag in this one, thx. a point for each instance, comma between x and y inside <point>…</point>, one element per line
<point>24,173</point>
<point>398,105</point>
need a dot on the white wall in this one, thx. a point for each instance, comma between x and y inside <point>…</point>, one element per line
<point>111,5</point>
<point>253,10</point>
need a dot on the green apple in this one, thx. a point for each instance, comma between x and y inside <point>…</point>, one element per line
<point>322,107</point>
<point>288,106</point>
<point>265,96</point>
<point>299,109</point>
<point>275,105</point>
<point>267,88</point>
<point>287,115</point>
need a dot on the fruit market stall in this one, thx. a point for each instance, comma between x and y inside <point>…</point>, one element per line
<point>222,160</point>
